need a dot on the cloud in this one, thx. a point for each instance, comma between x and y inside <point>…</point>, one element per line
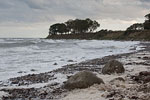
<point>34,4</point>
<point>43,10</point>
<point>32,12</point>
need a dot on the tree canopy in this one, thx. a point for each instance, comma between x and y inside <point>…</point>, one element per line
<point>58,28</point>
<point>133,28</point>
<point>74,26</point>
<point>139,26</point>
<point>147,17</point>
<point>136,26</point>
<point>147,22</point>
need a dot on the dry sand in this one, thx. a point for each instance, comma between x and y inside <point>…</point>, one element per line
<point>127,88</point>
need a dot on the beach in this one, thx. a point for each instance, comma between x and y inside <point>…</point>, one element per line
<point>49,85</point>
<point>127,89</point>
<point>75,50</point>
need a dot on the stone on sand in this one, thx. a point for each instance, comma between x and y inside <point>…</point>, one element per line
<point>82,79</point>
<point>112,67</point>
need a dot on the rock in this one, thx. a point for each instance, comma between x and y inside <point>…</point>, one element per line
<point>69,76</point>
<point>146,79</point>
<point>146,58</point>
<point>21,72</point>
<point>82,79</point>
<point>129,64</point>
<point>14,82</point>
<point>32,70</point>
<point>143,77</point>
<point>135,78</point>
<point>43,93</point>
<point>55,64</point>
<point>144,73</point>
<point>134,97</point>
<point>113,66</point>
<point>70,60</point>
<point>117,79</point>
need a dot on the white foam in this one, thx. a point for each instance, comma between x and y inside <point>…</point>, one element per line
<point>41,54</point>
<point>2,93</point>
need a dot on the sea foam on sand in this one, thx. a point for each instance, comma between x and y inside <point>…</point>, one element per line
<point>2,93</point>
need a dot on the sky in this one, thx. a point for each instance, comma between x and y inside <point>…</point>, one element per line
<point>32,18</point>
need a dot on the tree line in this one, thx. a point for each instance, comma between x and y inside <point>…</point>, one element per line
<point>140,26</point>
<point>74,27</point>
<point>87,25</point>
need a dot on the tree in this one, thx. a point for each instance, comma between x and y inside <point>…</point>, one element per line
<point>74,26</point>
<point>53,29</point>
<point>70,25</point>
<point>92,25</point>
<point>136,26</point>
<point>79,26</point>
<point>147,22</point>
<point>147,17</point>
<point>133,28</point>
<point>58,28</point>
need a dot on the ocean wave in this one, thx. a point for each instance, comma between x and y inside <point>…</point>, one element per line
<point>41,54</point>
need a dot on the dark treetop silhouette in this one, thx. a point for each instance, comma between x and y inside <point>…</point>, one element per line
<point>74,27</point>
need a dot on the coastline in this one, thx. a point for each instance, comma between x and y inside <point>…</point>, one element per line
<point>48,85</point>
<point>42,55</point>
<point>138,35</point>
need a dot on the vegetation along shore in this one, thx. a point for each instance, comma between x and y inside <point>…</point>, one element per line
<point>88,29</point>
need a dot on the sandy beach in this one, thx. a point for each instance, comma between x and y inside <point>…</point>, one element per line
<point>118,90</point>
<point>75,50</point>
<point>49,85</point>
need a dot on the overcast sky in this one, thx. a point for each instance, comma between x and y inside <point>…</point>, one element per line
<point>32,18</point>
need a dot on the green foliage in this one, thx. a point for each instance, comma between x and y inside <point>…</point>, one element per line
<point>84,29</point>
<point>74,26</point>
<point>134,28</point>
<point>147,16</point>
<point>58,28</point>
<point>92,25</point>
<point>147,25</point>
<point>147,22</point>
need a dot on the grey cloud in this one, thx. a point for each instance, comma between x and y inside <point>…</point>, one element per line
<point>35,16</point>
<point>144,0</point>
<point>33,4</point>
<point>5,5</point>
<point>46,10</point>
<point>145,4</point>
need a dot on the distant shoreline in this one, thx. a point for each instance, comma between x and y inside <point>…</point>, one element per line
<point>143,35</point>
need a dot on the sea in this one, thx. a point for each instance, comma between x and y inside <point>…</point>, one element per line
<point>19,56</point>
